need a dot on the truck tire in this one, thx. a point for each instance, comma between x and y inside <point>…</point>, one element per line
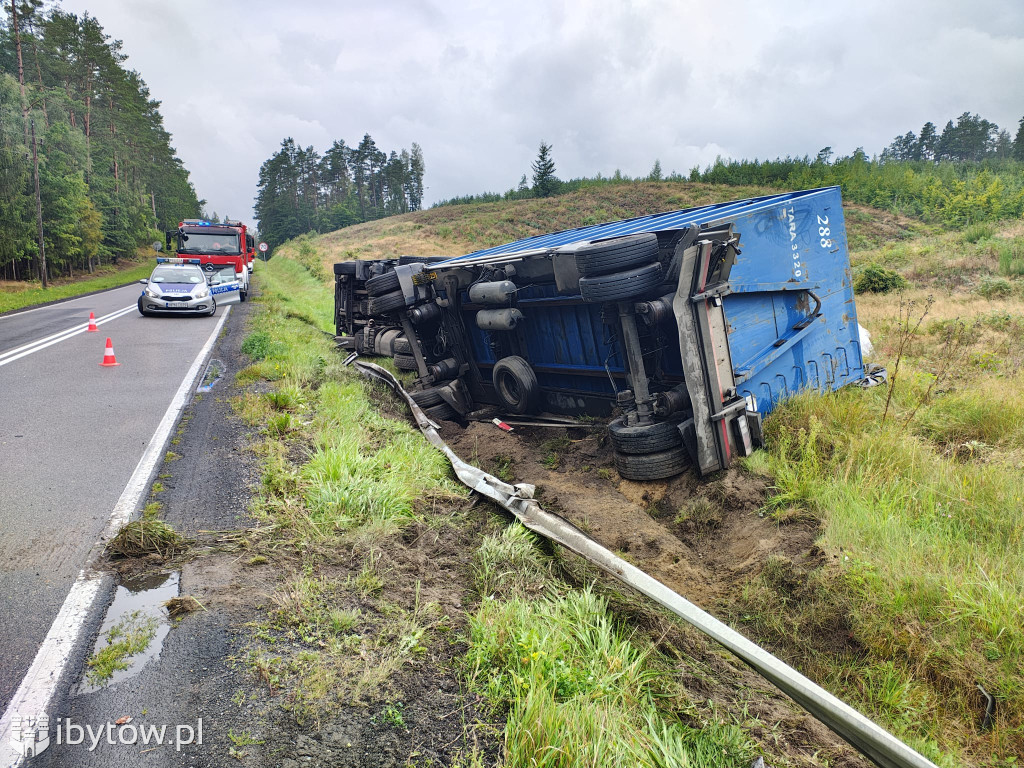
<point>617,255</point>
<point>405,363</point>
<point>621,285</point>
<point>402,346</point>
<point>652,466</point>
<point>345,268</point>
<point>641,439</point>
<point>381,284</point>
<point>442,412</point>
<point>516,384</point>
<point>389,302</point>
<point>425,398</point>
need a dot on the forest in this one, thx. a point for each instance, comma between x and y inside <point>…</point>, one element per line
<point>971,171</point>
<point>302,191</point>
<point>84,155</point>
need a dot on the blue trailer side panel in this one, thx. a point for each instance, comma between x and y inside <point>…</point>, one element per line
<point>791,318</point>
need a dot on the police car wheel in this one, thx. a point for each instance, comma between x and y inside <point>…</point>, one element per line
<point>616,254</point>
<point>143,312</point>
<point>621,285</point>
<point>652,466</point>
<point>640,439</point>
<point>213,309</point>
<point>242,295</point>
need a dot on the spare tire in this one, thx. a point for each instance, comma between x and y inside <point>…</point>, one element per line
<point>652,466</point>
<point>381,284</point>
<point>516,384</point>
<point>621,285</point>
<point>389,302</point>
<point>641,439</point>
<point>617,255</point>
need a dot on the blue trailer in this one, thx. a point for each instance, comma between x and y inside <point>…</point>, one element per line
<point>690,325</point>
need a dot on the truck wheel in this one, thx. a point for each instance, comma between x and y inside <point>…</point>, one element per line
<point>516,384</point>
<point>442,412</point>
<point>425,398</point>
<point>641,439</point>
<point>616,255</point>
<point>381,284</point>
<point>621,285</point>
<point>389,302</point>
<point>402,346</point>
<point>652,466</point>
<point>405,362</point>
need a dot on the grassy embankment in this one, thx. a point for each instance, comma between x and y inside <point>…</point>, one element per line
<point>345,623</point>
<point>922,502</point>
<point>920,511</point>
<point>17,294</point>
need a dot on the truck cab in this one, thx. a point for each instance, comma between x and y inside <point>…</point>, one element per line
<point>216,246</point>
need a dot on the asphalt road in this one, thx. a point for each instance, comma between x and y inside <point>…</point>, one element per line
<point>71,434</point>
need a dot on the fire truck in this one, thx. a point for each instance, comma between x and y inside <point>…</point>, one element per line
<point>219,248</point>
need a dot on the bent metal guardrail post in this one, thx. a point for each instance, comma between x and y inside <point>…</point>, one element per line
<point>871,740</point>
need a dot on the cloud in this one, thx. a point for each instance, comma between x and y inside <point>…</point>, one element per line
<point>610,84</point>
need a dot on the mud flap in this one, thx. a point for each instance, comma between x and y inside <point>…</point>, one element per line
<point>719,430</point>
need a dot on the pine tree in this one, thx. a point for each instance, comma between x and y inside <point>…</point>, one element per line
<point>1018,142</point>
<point>655,174</point>
<point>545,183</point>
<point>927,142</point>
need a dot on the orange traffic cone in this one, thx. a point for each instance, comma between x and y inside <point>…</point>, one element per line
<point>108,354</point>
<point>92,323</point>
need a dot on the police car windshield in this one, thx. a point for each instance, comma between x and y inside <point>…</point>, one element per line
<point>206,242</point>
<point>169,274</point>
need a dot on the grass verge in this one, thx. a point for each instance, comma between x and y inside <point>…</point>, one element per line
<point>347,486</point>
<point>20,295</point>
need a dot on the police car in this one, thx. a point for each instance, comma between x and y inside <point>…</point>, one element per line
<point>179,286</point>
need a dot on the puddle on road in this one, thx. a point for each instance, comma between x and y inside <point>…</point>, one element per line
<point>137,603</point>
<point>214,372</point>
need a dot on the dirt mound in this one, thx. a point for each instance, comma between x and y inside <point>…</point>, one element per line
<point>703,538</point>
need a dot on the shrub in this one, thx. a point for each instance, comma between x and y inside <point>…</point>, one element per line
<point>876,279</point>
<point>1011,258</point>
<point>994,287</point>
<point>976,232</point>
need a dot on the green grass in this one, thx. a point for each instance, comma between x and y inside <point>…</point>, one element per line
<point>114,277</point>
<point>930,577</point>
<point>129,637</point>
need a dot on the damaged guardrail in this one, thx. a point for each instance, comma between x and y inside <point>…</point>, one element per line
<point>871,740</point>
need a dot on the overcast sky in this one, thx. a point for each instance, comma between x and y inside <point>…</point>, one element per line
<point>610,84</point>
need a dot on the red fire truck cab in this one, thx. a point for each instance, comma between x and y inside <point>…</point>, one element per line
<point>217,246</point>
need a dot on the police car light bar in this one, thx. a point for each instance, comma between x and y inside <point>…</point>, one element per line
<point>165,260</point>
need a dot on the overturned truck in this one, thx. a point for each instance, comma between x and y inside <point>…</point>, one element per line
<point>688,327</point>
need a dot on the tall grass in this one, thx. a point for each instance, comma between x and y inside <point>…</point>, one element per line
<point>930,541</point>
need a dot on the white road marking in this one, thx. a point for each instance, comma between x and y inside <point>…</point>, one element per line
<point>36,693</point>
<point>34,346</point>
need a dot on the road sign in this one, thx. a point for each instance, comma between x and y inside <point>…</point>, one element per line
<point>263,247</point>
